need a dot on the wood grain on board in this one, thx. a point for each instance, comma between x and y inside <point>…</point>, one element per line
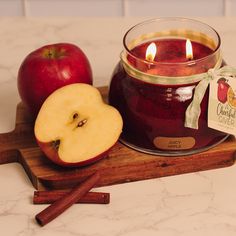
<point>121,165</point>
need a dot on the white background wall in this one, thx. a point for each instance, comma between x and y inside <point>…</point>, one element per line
<point>114,8</point>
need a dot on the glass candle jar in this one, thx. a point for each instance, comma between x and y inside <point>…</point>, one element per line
<point>153,87</point>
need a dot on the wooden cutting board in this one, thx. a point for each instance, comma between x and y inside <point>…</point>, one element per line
<point>120,166</point>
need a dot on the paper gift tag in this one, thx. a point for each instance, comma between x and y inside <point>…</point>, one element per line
<point>222,104</point>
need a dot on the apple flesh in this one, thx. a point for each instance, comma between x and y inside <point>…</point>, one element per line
<point>74,127</point>
<point>48,68</point>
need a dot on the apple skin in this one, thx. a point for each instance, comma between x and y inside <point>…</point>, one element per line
<point>48,68</point>
<point>222,90</point>
<point>52,155</point>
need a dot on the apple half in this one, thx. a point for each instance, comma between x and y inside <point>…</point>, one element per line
<point>74,127</point>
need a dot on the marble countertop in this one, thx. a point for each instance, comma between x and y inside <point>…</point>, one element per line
<point>200,203</point>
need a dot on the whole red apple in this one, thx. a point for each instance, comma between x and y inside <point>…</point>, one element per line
<point>222,91</point>
<point>48,68</point>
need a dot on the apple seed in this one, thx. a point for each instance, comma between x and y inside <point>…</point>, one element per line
<point>75,116</point>
<point>82,122</point>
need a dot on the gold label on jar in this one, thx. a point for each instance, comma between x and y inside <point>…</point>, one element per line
<point>178,143</point>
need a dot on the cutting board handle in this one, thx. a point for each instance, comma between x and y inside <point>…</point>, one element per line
<point>9,156</point>
<point>21,137</point>
<point>8,151</point>
<point>23,134</point>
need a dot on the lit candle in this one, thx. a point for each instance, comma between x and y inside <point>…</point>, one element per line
<point>174,57</point>
<point>151,52</point>
<point>154,83</point>
<point>189,50</point>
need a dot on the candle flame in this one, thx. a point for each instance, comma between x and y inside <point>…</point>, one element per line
<point>151,52</point>
<point>189,50</point>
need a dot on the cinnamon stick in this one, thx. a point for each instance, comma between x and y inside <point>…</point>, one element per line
<point>58,207</point>
<point>48,197</point>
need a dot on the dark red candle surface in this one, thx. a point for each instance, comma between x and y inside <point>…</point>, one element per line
<point>152,110</point>
<point>170,52</point>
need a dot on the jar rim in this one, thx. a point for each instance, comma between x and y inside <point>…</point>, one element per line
<point>164,80</point>
<point>199,60</point>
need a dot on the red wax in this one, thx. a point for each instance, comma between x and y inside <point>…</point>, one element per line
<point>170,51</point>
<point>153,110</point>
